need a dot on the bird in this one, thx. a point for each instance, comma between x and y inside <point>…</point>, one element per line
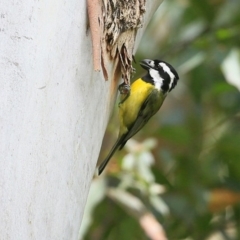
<point>145,98</point>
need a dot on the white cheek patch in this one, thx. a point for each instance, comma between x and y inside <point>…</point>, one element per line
<point>158,81</point>
<point>168,71</point>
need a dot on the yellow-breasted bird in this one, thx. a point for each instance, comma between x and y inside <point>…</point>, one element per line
<point>145,99</point>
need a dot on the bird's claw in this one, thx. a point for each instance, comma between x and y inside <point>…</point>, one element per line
<point>124,90</point>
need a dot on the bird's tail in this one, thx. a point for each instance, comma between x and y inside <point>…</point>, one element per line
<point>107,159</point>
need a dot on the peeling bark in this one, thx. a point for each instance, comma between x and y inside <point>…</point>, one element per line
<point>94,13</point>
<point>114,25</point>
<point>121,20</point>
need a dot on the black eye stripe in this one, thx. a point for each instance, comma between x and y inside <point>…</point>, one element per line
<point>166,81</point>
<point>161,74</point>
<point>167,85</point>
<point>160,68</point>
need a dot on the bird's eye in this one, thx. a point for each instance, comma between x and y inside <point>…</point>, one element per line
<point>151,63</point>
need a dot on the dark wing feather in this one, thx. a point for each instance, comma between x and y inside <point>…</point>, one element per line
<point>114,148</point>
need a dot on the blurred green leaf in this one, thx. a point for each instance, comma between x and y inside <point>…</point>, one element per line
<point>175,134</point>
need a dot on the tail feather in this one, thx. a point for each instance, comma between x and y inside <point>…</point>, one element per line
<point>107,159</point>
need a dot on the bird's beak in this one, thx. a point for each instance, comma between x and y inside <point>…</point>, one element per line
<point>145,64</point>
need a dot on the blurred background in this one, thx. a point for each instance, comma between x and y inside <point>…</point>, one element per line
<point>179,177</point>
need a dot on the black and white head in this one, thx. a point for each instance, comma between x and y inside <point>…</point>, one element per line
<point>160,73</point>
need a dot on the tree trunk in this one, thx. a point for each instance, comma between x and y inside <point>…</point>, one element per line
<point>54,111</point>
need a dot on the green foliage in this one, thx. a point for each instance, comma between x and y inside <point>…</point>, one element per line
<point>188,178</point>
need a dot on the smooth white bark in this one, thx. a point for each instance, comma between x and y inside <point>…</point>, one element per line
<point>53,113</point>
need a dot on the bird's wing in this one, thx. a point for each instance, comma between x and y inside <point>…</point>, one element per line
<point>141,120</point>
<point>114,148</point>
<point>148,109</point>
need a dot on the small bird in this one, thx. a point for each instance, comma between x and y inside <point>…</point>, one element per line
<point>145,99</point>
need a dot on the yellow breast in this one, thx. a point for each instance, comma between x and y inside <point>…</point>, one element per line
<point>128,110</point>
